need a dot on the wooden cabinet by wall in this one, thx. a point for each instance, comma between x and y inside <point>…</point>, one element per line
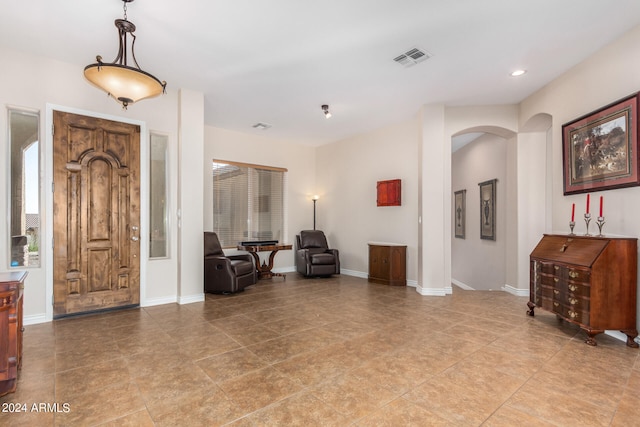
<point>11,286</point>
<point>589,281</point>
<point>388,264</point>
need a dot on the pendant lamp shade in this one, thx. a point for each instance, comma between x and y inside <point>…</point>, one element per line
<point>126,84</point>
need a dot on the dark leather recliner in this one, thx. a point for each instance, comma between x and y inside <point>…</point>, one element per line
<point>225,274</point>
<point>313,256</point>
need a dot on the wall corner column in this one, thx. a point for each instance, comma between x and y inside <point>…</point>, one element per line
<point>190,209</point>
<point>434,204</point>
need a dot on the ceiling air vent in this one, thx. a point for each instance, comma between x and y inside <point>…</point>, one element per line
<point>412,57</point>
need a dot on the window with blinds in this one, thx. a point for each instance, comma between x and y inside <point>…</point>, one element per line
<point>248,202</point>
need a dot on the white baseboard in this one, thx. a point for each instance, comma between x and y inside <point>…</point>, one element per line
<point>617,335</point>
<point>516,291</point>
<point>34,319</point>
<point>433,292</point>
<point>462,285</point>
<point>191,298</point>
<point>284,270</point>
<point>354,273</point>
<point>150,302</point>
<point>506,288</point>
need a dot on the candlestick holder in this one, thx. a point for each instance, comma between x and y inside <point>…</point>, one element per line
<point>587,220</point>
<point>571,225</point>
<point>600,223</point>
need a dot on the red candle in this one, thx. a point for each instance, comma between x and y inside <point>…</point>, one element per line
<point>588,197</point>
<point>600,205</point>
<point>573,212</point>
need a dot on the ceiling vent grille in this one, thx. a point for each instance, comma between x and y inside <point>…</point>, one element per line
<point>412,57</point>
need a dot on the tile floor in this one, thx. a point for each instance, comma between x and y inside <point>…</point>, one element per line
<point>325,352</point>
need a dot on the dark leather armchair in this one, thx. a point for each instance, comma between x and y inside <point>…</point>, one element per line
<point>225,274</point>
<point>313,256</point>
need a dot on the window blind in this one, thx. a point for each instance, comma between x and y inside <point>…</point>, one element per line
<point>248,202</point>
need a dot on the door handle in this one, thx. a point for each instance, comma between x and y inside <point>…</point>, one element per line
<point>135,238</point>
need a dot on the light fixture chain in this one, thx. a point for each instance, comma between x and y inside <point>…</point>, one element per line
<point>124,7</point>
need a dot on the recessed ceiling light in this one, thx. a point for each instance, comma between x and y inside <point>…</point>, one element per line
<point>517,73</point>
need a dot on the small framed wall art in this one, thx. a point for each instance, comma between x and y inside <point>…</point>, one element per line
<point>389,192</point>
<point>488,209</point>
<point>459,212</point>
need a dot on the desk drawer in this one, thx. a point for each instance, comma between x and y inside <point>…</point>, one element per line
<point>576,303</point>
<point>576,315</point>
<point>579,289</point>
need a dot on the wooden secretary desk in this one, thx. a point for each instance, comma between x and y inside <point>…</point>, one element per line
<point>586,280</point>
<point>11,287</point>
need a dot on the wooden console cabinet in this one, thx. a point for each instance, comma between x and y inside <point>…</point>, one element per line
<point>588,281</point>
<point>11,287</point>
<point>388,264</point>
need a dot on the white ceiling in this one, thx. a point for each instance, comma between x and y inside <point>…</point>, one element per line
<point>278,61</point>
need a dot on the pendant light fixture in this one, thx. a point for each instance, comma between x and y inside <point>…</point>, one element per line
<point>325,110</point>
<point>124,83</point>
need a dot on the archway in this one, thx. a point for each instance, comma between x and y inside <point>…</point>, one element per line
<point>481,155</point>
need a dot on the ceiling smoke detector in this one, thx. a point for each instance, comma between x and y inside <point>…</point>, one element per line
<point>325,110</point>
<point>261,126</point>
<point>412,57</point>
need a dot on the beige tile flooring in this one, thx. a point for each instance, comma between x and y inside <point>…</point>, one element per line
<point>325,352</point>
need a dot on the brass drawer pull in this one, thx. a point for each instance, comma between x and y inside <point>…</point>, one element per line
<point>555,291</point>
<point>556,267</point>
<point>555,304</point>
<point>573,288</point>
<point>573,314</point>
<point>573,274</point>
<point>573,301</point>
<point>555,279</point>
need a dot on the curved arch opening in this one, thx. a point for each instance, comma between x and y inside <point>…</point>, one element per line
<point>481,154</point>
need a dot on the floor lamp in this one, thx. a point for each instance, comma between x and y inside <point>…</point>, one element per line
<point>315,199</point>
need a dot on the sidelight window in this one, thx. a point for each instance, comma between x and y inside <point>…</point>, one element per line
<point>24,222</point>
<point>159,213</point>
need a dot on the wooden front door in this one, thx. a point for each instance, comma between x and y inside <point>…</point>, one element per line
<point>96,214</point>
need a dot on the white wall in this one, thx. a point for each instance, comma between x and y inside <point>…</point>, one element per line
<point>610,74</point>
<point>347,172</point>
<point>499,120</point>
<point>190,197</point>
<point>299,160</point>
<point>532,197</point>
<point>35,82</point>
<point>512,213</point>
<point>476,263</point>
<point>343,174</point>
<point>434,210</point>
